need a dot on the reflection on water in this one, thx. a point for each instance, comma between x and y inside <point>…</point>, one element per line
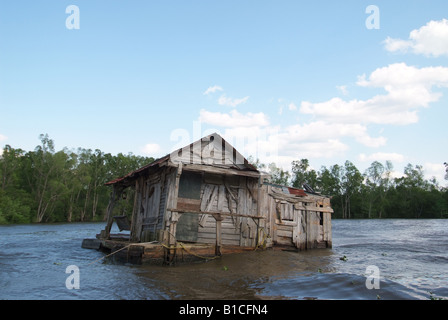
<point>411,256</point>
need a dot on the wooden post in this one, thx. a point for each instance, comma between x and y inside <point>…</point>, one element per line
<point>173,218</point>
<point>259,200</point>
<point>307,229</point>
<point>218,219</point>
<point>115,194</point>
<point>135,212</point>
<point>171,251</point>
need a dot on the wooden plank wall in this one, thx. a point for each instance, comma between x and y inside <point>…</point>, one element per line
<point>234,195</point>
<point>304,223</point>
<point>151,196</point>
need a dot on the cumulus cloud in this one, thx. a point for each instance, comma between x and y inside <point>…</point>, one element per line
<point>343,90</point>
<point>233,119</point>
<point>276,144</point>
<point>408,88</point>
<point>3,137</point>
<point>226,101</point>
<point>401,91</point>
<point>325,131</point>
<point>212,90</point>
<point>436,170</point>
<point>429,40</point>
<point>292,106</point>
<point>382,156</point>
<point>151,149</point>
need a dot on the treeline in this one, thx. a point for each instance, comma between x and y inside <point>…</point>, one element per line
<point>45,185</point>
<point>374,193</point>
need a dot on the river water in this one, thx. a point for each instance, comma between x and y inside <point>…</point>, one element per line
<point>410,258</point>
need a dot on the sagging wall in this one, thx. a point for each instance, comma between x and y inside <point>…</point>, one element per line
<point>236,196</point>
<point>151,198</point>
<point>233,196</point>
<point>302,222</point>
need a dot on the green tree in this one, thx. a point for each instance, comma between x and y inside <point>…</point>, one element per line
<point>303,173</point>
<point>351,181</point>
<point>45,171</point>
<point>446,170</point>
<point>9,166</point>
<point>256,163</point>
<point>278,175</point>
<point>378,181</point>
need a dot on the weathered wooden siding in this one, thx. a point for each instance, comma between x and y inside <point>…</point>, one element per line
<point>302,222</point>
<point>168,207</point>
<point>145,217</point>
<point>207,192</point>
<point>232,195</point>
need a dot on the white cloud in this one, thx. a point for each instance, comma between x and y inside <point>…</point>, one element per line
<point>280,110</point>
<point>429,40</point>
<point>436,170</point>
<point>212,90</point>
<point>3,137</point>
<point>281,146</point>
<point>292,106</point>
<point>233,119</point>
<point>382,156</point>
<point>368,141</point>
<point>226,101</point>
<point>408,88</point>
<point>343,90</point>
<point>151,149</point>
<point>394,45</point>
<point>252,134</point>
<point>325,131</point>
<point>314,149</point>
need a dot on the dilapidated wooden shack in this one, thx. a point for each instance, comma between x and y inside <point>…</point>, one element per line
<point>206,199</point>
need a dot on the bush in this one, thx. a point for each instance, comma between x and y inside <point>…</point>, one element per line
<point>13,211</point>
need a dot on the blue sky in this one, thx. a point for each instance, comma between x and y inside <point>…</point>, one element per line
<point>281,80</point>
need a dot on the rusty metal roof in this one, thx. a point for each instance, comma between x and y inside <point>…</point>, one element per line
<point>297,192</point>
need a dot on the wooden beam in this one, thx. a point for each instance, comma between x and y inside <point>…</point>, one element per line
<point>216,213</point>
<point>227,171</point>
<point>116,193</point>
<point>218,219</point>
<point>135,236</point>
<point>176,185</point>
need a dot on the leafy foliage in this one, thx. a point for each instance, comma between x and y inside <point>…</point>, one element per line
<point>372,194</point>
<point>68,185</point>
<point>46,185</point>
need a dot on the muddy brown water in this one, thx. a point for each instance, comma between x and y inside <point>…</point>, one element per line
<point>411,257</point>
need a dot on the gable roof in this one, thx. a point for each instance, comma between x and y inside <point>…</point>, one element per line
<point>211,150</point>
